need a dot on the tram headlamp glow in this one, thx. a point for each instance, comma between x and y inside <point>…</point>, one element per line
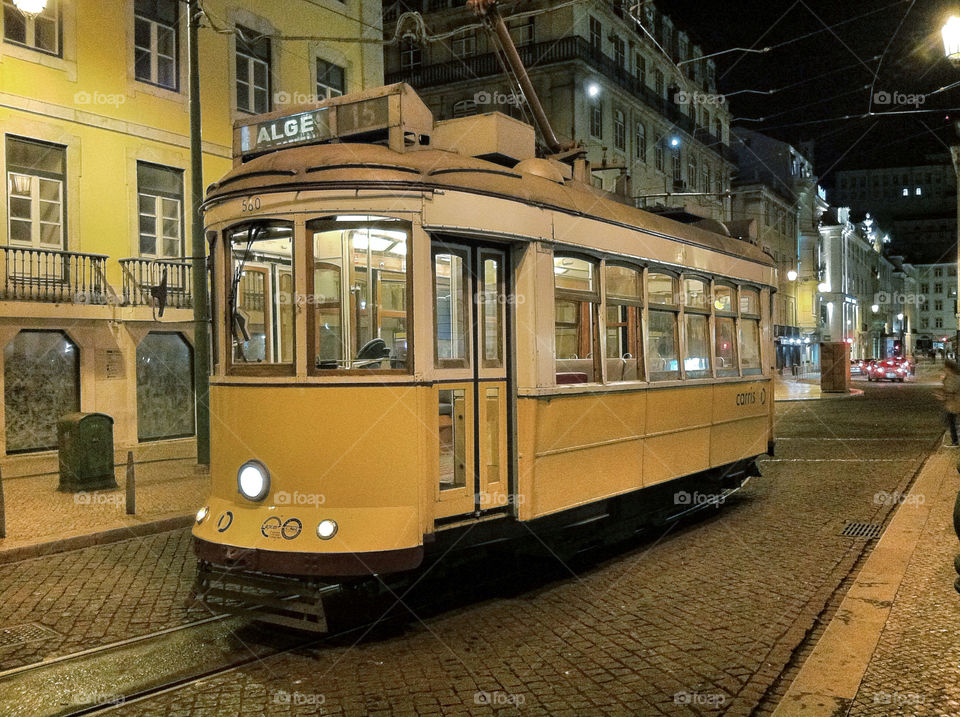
<point>202,514</point>
<point>253,480</point>
<point>327,529</point>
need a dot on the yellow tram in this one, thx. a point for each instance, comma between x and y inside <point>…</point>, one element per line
<point>425,335</point>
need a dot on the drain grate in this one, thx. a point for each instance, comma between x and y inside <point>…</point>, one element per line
<point>22,634</point>
<point>864,531</point>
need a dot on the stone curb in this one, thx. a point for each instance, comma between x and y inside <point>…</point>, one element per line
<point>829,679</point>
<point>114,535</point>
<point>854,393</point>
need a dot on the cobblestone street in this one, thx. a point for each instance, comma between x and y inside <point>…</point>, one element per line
<point>701,618</point>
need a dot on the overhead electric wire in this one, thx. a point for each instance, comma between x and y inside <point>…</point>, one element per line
<point>876,72</point>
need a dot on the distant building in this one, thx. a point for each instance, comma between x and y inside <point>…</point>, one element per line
<point>655,121</point>
<point>937,303</point>
<point>775,191</point>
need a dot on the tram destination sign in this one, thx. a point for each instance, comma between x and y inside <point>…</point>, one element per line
<point>314,126</point>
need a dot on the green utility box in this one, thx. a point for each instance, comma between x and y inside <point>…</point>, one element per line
<point>85,442</point>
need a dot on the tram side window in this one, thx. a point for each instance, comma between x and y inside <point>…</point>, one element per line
<point>750,331</point>
<point>623,331</point>
<point>576,303</point>
<point>260,293</point>
<point>663,355</point>
<point>358,300</point>
<point>725,331</point>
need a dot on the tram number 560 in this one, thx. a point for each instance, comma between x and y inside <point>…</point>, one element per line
<point>250,204</point>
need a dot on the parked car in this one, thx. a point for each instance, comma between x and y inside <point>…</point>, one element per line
<point>889,369</point>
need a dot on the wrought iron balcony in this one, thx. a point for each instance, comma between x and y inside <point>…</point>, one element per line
<point>53,276</point>
<point>140,275</point>
<point>551,52</point>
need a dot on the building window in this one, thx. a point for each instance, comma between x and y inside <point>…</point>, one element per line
<point>938,323</point>
<point>620,51</point>
<point>40,32</point>
<point>164,387</point>
<point>253,71</point>
<point>677,165</point>
<point>706,178</point>
<point>641,68</point>
<point>596,120</point>
<point>523,32</point>
<point>464,108</point>
<point>410,55</point>
<point>640,139</point>
<point>692,172</point>
<point>718,129</point>
<point>918,191</point>
<point>464,46</point>
<point>160,206</point>
<point>596,34</point>
<point>906,192</point>
<point>658,82</point>
<point>924,288</point>
<point>938,305</point>
<point>155,42</point>
<point>619,130</point>
<point>658,151</point>
<point>41,383</point>
<point>331,80</point>
<point>36,175</point>
<point>938,271</point>
<point>938,288</point>
<point>924,322</point>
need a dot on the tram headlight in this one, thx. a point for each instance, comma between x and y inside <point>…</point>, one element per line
<point>253,480</point>
<point>327,529</point>
<point>202,514</point>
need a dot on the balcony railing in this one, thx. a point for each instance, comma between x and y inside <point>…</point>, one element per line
<point>53,276</point>
<point>141,275</point>
<point>566,49</point>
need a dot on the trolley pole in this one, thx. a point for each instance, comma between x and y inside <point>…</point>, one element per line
<point>201,306</point>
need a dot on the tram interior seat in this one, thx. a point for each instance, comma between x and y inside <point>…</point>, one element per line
<point>622,369</point>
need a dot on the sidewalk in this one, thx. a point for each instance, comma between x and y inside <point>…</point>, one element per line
<point>40,520</point>
<point>788,388</point>
<point>892,648</point>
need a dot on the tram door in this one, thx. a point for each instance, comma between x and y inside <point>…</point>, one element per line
<point>470,299</point>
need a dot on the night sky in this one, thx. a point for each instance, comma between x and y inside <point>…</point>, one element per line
<point>831,73</point>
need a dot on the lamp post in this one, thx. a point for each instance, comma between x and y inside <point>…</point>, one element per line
<point>951,48</point>
<point>201,306</point>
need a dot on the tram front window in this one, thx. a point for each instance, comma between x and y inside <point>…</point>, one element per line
<point>358,298</point>
<point>260,293</point>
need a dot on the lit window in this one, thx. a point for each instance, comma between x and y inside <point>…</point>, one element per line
<point>359,285</point>
<point>155,42</point>
<point>918,191</point>
<point>906,192</point>
<point>624,337</point>
<point>576,304</point>
<point>35,193</point>
<point>253,71</point>
<point>40,32</point>
<point>663,353</point>
<point>331,80</point>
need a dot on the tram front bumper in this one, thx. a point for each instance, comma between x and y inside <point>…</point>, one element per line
<point>333,565</point>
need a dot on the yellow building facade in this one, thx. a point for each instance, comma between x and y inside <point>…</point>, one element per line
<point>97,208</point>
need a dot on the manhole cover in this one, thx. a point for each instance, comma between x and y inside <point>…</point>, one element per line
<point>865,531</point>
<point>20,634</point>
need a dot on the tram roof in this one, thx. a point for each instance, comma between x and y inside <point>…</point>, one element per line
<point>372,166</point>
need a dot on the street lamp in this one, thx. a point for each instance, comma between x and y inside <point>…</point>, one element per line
<point>30,8</point>
<point>951,38</point>
<point>791,275</point>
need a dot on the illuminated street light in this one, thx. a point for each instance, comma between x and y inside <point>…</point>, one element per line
<point>791,275</point>
<point>30,8</point>
<point>674,141</point>
<point>951,38</point>
<point>874,308</point>
<point>593,89</point>
<point>823,287</point>
<point>899,317</point>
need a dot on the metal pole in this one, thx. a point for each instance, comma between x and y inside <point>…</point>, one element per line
<point>201,336</point>
<point>131,485</point>
<point>3,511</point>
